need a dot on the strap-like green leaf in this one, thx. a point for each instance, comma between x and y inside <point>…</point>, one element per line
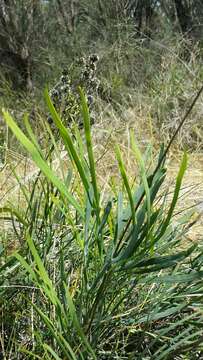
<point>77,324</point>
<point>67,142</point>
<point>40,162</point>
<point>125,181</point>
<point>179,179</point>
<point>86,120</point>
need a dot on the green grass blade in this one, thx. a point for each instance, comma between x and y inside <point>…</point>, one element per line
<point>134,238</point>
<point>182,338</point>
<point>107,211</point>
<point>21,186</point>
<point>52,352</point>
<point>62,343</point>
<point>154,315</point>
<point>119,217</point>
<point>56,148</point>
<point>47,283</point>
<point>31,134</point>
<point>67,141</point>
<point>86,120</point>
<point>143,174</point>
<point>77,324</point>
<point>40,161</point>
<point>14,212</point>
<point>39,263</point>
<point>173,326</point>
<point>26,266</point>
<point>179,179</point>
<point>88,211</point>
<point>80,148</point>
<point>177,278</point>
<point>162,260</point>
<point>104,222</point>
<point>125,181</point>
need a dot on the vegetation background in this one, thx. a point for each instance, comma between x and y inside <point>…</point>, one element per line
<point>101,240</point>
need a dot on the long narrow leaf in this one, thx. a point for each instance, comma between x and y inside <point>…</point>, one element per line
<point>125,181</point>
<point>86,120</point>
<point>77,324</point>
<point>143,173</point>
<point>40,162</point>
<point>64,345</point>
<point>179,179</point>
<point>52,352</point>
<point>162,260</point>
<point>67,141</point>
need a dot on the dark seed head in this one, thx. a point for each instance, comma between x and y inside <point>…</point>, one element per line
<point>50,120</point>
<point>94,58</point>
<point>63,79</point>
<point>65,72</point>
<point>54,93</point>
<point>90,99</point>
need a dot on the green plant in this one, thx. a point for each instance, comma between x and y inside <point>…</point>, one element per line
<point>106,278</point>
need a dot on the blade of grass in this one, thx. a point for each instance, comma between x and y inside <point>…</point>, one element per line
<point>77,324</point>
<point>64,345</point>
<point>182,339</point>
<point>119,217</point>
<point>31,134</point>
<point>52,352</point>
<point>141,164</point>
<point>40,162</point>
<point>67,142</point>
<point>179,179</point>
<point>14,212</point>
<point>177,278</point>
<point>125,181</point>
<point>86,120</point>
<point>162,260</point>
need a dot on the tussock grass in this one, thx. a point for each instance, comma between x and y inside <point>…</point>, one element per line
<point>99,273</point>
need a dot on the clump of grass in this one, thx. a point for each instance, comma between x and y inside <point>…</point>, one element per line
<point>97,279</point>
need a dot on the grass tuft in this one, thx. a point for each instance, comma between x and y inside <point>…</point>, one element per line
<point>97,277</point>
